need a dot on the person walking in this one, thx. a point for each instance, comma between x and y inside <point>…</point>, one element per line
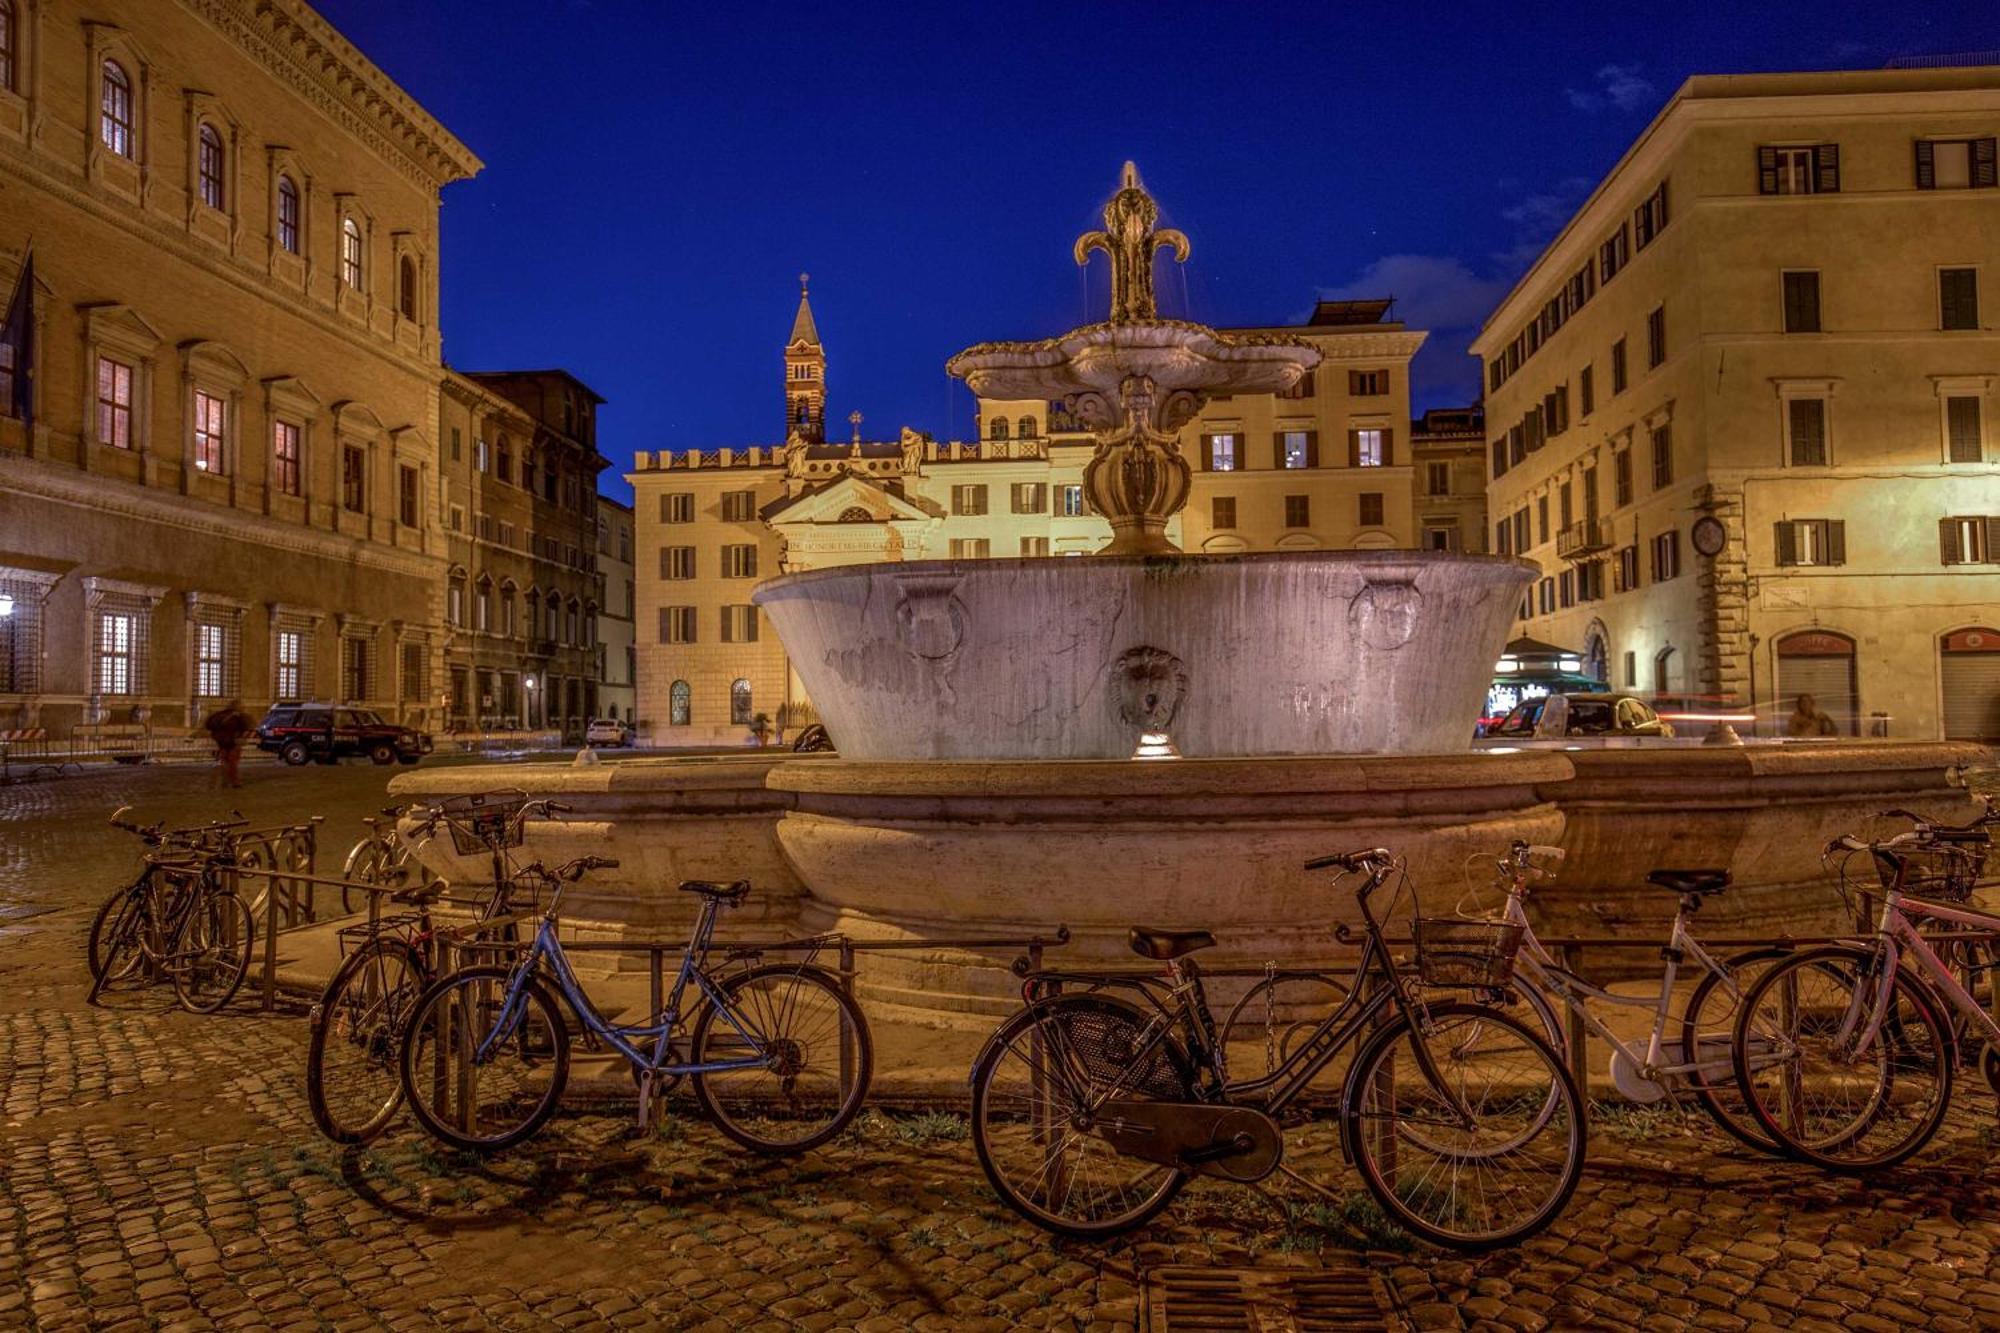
<point>1808,720</point>
<point>227,726</point>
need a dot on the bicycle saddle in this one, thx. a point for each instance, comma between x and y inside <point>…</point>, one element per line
<point>1161,945</point>
<point>1689,881</point>
<point>722,893</point>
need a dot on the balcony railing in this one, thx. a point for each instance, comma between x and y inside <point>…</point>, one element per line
<point>1584,538</point>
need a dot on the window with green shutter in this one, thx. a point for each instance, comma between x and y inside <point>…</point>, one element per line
<point>1801,302</point>
<point>1958,298</point>
<point>1962,435</point>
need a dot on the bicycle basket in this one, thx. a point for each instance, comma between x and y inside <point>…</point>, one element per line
<point>486,829</point>
<point>1474,954</point>
<point>1946,872</point>
<point>356,936</point>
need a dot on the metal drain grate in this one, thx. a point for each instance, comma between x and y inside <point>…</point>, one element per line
<point>1187,1299</point>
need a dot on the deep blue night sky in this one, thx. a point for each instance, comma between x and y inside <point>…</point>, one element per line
<point>657,174</point>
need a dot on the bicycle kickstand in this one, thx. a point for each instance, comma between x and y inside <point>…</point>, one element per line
<point>645,1124</point>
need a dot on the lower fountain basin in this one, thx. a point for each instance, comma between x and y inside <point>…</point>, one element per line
<point>1273,653</point>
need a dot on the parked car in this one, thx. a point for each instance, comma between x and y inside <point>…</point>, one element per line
<point>1594,714</point>
<point>300,732</point>
<point>607,731</point>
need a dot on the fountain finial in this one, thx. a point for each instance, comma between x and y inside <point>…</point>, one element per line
<point>1129,239</point>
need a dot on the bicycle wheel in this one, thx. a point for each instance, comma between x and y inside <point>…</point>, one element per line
<point>353,1059</point>
<point>124,951</point>
<point>818,1058</point>
<point>1035,1090</point>
<point>1708,1039</point>
<point>368,863</point>
<point>103,930</point>
<point>213,954</point>
<point>1502,1142</point>
<point>1820,1083</point>
<point>490,1102</point>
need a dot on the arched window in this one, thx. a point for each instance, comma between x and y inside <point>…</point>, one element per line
<point>590,624</point>
<point>680,704</point>
<point>7,44</point>
<point>533,604</point>
<point>575,611</point>
<point>856,514</point>
<point>350,253</point>
<point>507,610</point>
<point>208,166</point>
<point>115,124</point>
<point>805,412</point>
<point>454,605</point>
<point>739,703</point>
<point>1027,428</point>
<point>407,298</point>
<point>288,215</point>
<point>503,459</point>
<point>482,606</point>
<point>998,430</point>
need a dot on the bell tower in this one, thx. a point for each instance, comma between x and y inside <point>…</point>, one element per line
<point>805,376</point>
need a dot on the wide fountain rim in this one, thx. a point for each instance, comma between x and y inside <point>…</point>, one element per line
<point>1176,562</point>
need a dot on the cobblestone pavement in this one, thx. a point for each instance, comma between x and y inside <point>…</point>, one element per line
<point>159,1170</point>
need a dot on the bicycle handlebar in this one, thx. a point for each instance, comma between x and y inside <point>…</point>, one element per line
<point>1369,858</point>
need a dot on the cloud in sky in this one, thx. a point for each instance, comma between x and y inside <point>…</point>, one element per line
<point>1438,293</point>
<point>1619,87</point>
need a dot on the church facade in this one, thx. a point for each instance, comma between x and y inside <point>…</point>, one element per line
<point>1325,466</point>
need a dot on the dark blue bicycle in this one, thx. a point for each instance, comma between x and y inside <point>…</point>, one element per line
<point>778,1054</point>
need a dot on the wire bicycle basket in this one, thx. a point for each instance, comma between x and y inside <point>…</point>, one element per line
<point>486,828</point>
<point>1475,955</point>
<point>1944,872</point>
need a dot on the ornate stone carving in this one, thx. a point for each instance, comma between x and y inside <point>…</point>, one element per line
<point>1129,239</point>
<point>1384,614</point>
<point>930,619</point>
<point>1137,478</point>
<point>1147,686</point>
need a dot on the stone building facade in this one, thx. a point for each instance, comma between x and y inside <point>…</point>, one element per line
<point>230,484</point>
<point>1324,466</point>
<point>522,592</point>
<point>1741,409</point>
<point>615,694</point>
<point>1448,479</point>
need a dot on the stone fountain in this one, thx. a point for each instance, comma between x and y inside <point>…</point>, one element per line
<point>1278,653</point>
<point>989,713</point>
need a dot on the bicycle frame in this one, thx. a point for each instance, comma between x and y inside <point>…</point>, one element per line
<point>1183,1005</point>
<point>547,948</point>
<point>1546,974</point>
<point>1895,937</point>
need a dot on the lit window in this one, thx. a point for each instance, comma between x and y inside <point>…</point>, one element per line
<point>115,124</point>
<point>114,403</point>
<point>208,166</point>
<point>1222,453</point>
<point>291,656</point>
<point>285,457</point>
<point>209,643</point>
<point>1295,449</point>
<point>208,429</point>
<point>1071,502</point>
<point>739,703</point>
<point>350,253</point>
<point>1370,448</point>
<point>288,215</point>
<point>117,631</point>
<point>680,704</point>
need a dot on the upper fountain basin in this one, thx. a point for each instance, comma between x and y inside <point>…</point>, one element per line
<point>1098,358</point>
<point>1273,653</point>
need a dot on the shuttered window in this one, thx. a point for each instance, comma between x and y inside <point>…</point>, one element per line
<point>1371,509</point>
<point>1618,376</point>
<point>1298,510</point>
<point>1586,391</point>
<point>1621,472</point>
<point>1801,291</point>
<point>1806,426</point>
<point>1811,541</point>
<point>1962,435</point>
<point>1296,448</point>
<point>1958,298</point>
<point>1222,511</point>
<point>1957,164</point>
<point>1663,456</point>
<point>1969,539</point>
<point>1656,337</point>
<point>1798,169</point>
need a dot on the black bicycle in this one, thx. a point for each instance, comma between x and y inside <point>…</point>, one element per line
<point>353,1057</point>
<point>1091,1111</point>
<point>179,920</point>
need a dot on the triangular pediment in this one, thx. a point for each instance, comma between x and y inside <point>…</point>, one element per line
<point>836,500</point>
